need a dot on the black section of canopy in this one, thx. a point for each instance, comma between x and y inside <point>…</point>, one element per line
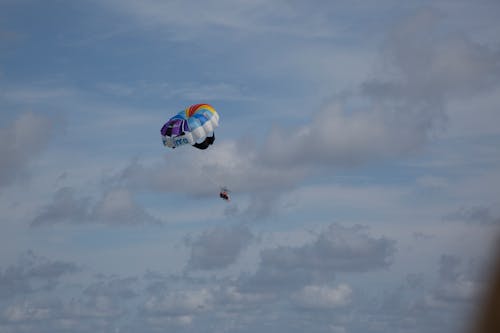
<point>207,142</point>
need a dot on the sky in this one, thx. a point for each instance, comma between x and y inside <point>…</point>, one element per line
<point>360,141</point>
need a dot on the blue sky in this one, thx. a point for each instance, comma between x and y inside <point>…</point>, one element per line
<point>360,142</point>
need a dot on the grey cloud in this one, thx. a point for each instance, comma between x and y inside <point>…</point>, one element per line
<point>219,247</point>
<point>118,207</point>
<point>115,207</point>
<point>337,249</point>
<point>33,273</point>
<point>448,267</point>
<point>434,304</point>
<point>66,207</point>
<point>115,303</point>
<point>20,143</point>
<point>456,283</point>
<point>411,306</point>
<point>481,214</point>
<point>422,236</point>
<point>414,281</point>
<point>157,283</point>
<point>263,205</point>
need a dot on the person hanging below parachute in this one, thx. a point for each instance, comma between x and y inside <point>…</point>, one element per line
<point>224,194</point>
<point>194,125</point>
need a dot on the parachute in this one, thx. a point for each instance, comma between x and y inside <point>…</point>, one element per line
<point>194,126</point>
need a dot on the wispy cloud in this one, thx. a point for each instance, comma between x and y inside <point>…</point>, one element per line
<point>20,143</point>
<point>115,207</point>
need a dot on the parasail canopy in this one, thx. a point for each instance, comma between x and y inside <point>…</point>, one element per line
<point>194,126</point>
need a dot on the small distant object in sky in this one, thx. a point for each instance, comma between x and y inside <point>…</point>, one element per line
<point>224,194</point>
<point>194,126</point>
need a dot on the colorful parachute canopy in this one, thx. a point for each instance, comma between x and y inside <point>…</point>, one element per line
<point>195,126</point>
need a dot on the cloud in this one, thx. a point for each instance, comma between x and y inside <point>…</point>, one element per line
<point>29,313</point>
<point>218,248</point>
<point>33,273</point>
<point>65,207</point>
<point>431,63</point>
<point>118,207</point>
<point>338,137</point>
<point>336,249</point>
<point>216,91</point>
<point>95,309</point>
<point>197,173</point>
<point>482,215</point>
<point>176,308</point>
<point>36,94</point>
<point>392,114</point>
<point>396,111</point>
<point>103,301</point>
<point>115,207</point>
<point>20,143</point>
<point>234,299</point>
<point>430,304</point>
<point>313,297</point>
<point>116,288</point>
<point>256,17</point>
<point>456,284</point>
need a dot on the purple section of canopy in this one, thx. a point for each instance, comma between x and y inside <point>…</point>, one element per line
<point>174,127</point>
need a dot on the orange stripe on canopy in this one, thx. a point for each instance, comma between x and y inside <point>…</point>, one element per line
<point>193,108</point>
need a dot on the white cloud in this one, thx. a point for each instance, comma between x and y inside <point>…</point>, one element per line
<point>203,173</point>
<point>179,305</point>
<point>316,297</point>
<point>27,312</point>
<point>243,16</point>
<point>337,137</point>
<point>233,298</point>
